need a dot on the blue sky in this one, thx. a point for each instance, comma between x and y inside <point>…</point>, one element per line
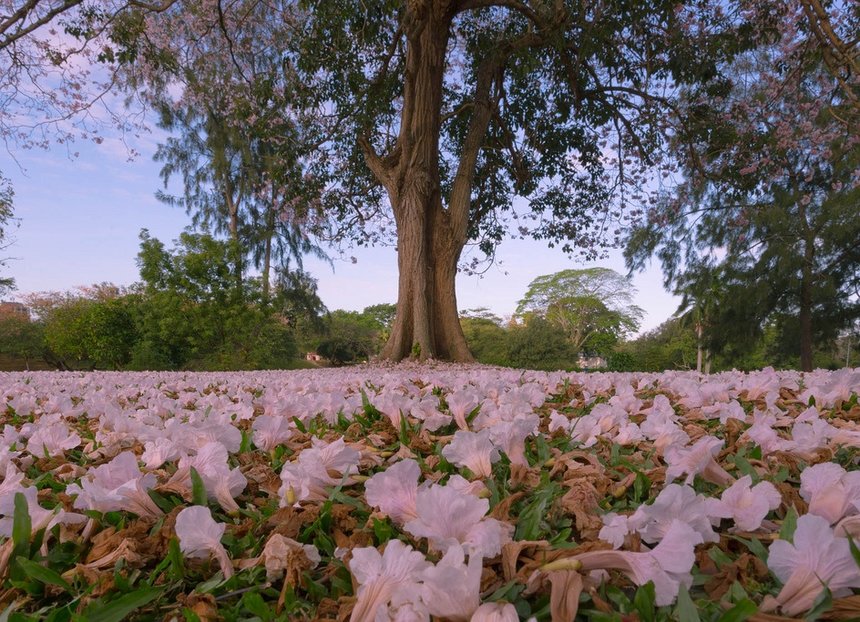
<point>80,218</point>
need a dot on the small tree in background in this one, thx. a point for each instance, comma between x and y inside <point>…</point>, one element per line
<point>592,307</point>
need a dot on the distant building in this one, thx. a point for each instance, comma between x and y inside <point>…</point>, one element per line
<point>591,362</point>
<point>14,309</point>
<point>313,356</point>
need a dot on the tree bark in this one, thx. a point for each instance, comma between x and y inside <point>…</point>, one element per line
<point>806,279</point>
<point>430,237</point>
<point>806,309</point>
<point>699,347</point>
<point>430,234</point>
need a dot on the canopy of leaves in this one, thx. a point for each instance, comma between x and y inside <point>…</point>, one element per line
<point>768,205</point>
<point>579,97</point>
<point>593,307</point>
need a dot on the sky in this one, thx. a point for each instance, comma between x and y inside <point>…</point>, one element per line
<point>79,220</point>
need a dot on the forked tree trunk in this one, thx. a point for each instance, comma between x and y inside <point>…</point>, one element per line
<point>806,279</point>
<point>430,235</point>
<point>806,318</point>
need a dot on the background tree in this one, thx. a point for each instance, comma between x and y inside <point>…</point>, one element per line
<point>21,341</point>
<point>296,299</point>
<point>771,181</point>
<point>446,112</point>
<point>702,295</point>
<point>592,307</point>
<point>349,337</point>
<point>7,196</point>
<point>450,110</point>
<point>671,345</point>
<point>92,328</point>
<point>540,345</point>
<point>487,338</point>
<point>193,315</point>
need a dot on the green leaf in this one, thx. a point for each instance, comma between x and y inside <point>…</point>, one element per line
<point>119,609</point>
<point>641,487</point>
<point>528,526</point>
<point>254,603</point>
<point>644,602</point>
<point>686,609</point>
<point>198,490</point>
<point>174,554</point>
<point>746,468</point>
<point>822,604</point>
<point>42,573</point>
<point>245,445</point>
<point>22,528</point>
<point>789,524</point>
<point>300,426</point>
<point>755,547</point>
<point>855,551</point>
<point>160,500</point>
<point>382,530</point>
<point>740,612</point>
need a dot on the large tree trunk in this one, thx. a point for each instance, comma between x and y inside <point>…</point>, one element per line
<point>806,313</point>
<point>430,237</point>
<point>699,348</point>
<point>806,278</point>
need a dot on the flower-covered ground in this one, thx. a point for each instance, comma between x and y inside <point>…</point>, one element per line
<point>430,492</point>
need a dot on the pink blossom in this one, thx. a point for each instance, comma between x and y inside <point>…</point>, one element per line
<point>817,558</point>
<point>697,460</point>
<point>270,431</point>
<point>40,518</point>
<point>53,439</point>
<point>614,530</point>
<point>200,537</point>
<point>465,487</point>
<point>317,468</point>
<point>653,521</point>
<point>393,491</point>
<point>473,450</point>
<point>381,578</point>
<point>158,451</point>
<point>495,612</point>
<point>830,490</point>
<point>461,403</point>
<point>451,589</point>
<point>761,433</point>
<point>222,483</point>
<point>668,565</point>
<point>117,485</point>
<point>510,437</point>
<point>448,518</point>
<point>749,505</point>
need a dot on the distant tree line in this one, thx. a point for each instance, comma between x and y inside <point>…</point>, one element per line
<point>189,311</point>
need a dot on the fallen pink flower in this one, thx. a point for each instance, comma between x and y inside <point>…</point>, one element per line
<point>830,490</point>
<point>668,565</point>
<point>448,518</point>
<point>200,537</point>
<point>748,505</point>
<point>451,589</point>
<point>381,578</point>
<point>473,450</point>
<point>393,491</point>
<point>495,612</point>
<point>697,460</point>
<point>815,559</point>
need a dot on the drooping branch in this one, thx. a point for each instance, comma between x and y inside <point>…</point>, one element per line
<point>20,17</point>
